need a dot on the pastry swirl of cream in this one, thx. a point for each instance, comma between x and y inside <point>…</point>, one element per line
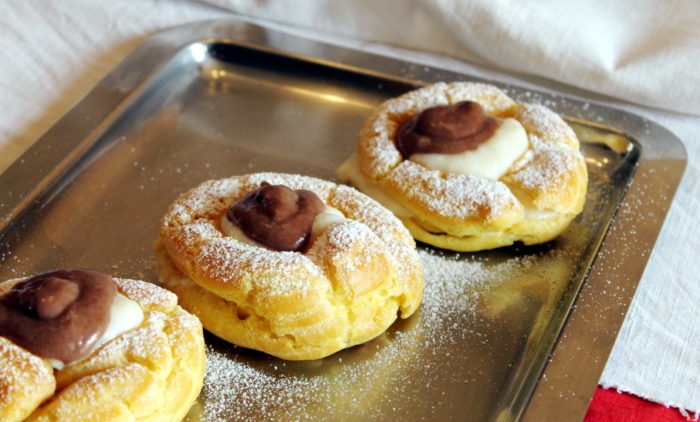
<point>277,216</point>
<point>60,314</point>
<point>446,129</point>
<point>490,160</point>
<point>462,138</point>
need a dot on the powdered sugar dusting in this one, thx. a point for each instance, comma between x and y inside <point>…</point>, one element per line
<point>548,165</point>
<point>371,380</point>
<point>147,295</point>
<point>453,286</point>
<point>379,150</point>
<point>225,259</point>
<point>416,100</point>
<point>77,401</point>
<point>382,223</point>
<point>22,374</point>
<point>546,124</point>
<point>458,195</point>
<point>146,343</point>
<point>250,391</point>
<point>235,389</point>
<point>343,237</point>
<point>201,202</point>
<point>493,100</point>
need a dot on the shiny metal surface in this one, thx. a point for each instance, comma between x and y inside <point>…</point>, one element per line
<point>213,99</point>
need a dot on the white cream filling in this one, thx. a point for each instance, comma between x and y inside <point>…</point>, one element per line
<point>326,218</point>
<point>532,214</point>
<point>323,220</point>
<point>125,315</point>
<point>490,160</point>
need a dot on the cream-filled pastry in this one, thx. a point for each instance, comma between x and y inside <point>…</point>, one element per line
<point>79,345</point>
<point>293,266</point>
<point>466,168</point>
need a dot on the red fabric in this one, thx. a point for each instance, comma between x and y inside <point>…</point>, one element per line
<point>611,406</point>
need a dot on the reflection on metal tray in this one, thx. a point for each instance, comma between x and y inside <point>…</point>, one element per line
<point>219,98</point>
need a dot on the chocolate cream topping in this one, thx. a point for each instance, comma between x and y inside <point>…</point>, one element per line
<point>447,129</point>
<point>60,314</point>
<point>277,216</point>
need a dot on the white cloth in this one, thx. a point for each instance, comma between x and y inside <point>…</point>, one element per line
<point>602,46</point>
<point>643,51</point>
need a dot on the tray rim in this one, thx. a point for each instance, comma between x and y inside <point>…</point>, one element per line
<point>92,114</point>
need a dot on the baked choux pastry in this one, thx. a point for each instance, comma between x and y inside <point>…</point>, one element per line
<point>290,265</point>
<point>79,345</point>
<point>466,168</point>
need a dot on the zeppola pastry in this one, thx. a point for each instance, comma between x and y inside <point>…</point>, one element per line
<point>466,168</point>
<point>293,266</point>
<point>78,345</point>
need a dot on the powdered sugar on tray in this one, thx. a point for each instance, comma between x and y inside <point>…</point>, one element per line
<point>235,389</point>
<point>239,386</point>
<point>451,287</point>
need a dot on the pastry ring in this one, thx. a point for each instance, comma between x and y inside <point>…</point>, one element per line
<point>527,186</point>
<point>147,366</point>
<point>342,287</point>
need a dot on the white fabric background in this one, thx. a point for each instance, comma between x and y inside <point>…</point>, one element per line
<point>642,55</point>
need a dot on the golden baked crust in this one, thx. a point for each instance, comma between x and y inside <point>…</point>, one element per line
<point>151,373</point>
<point>533,202</point>
<point>344,290</point>
<point>25,381</point>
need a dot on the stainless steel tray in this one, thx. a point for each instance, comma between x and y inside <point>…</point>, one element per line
<point>513,334</point>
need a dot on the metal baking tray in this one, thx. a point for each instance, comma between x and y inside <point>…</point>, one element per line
<point>520,333</point>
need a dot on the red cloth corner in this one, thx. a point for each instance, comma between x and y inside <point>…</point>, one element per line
<point>611,406</point>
